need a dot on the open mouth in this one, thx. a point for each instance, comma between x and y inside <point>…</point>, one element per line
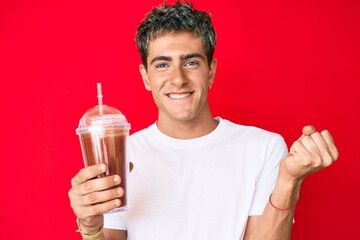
<point>179,95</point>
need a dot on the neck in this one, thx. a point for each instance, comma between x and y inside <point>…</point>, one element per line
<point>187,129</point>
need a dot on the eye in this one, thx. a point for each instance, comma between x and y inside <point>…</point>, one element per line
<point>191,64</point>
<point>161,65</point>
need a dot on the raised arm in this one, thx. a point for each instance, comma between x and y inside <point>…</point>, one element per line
<point>312,152</point>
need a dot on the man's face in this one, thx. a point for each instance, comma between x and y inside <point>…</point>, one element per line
<point>179,76</point>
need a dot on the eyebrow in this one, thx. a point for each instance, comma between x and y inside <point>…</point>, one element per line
<point>192,55</point>
<point>169,59</point>
<point>161,58</point>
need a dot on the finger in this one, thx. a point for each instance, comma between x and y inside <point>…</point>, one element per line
<point>88,173</point>
<point>99,184</point>
<point>331,145</point>
<point>319,140</point>
<point>104,207</point>
<point>297,148</point>
<point>308,130</point>
<point>103,196</point>
<point>301,154</point>
<point>98,209</point>
<point>310,145</point>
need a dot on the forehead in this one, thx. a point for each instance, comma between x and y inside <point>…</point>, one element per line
<point>175,44</point>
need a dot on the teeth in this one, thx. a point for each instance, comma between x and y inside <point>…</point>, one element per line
<point>177,96</point>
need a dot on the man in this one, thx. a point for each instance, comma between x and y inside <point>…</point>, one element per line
<point>195,176</point>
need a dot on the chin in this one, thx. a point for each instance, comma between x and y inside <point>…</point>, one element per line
<point>184,117</point>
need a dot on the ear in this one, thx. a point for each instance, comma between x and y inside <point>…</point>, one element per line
<point>144,76</point>
<point>212,72</point>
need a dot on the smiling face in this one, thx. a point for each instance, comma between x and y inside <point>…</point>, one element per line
<point>179,76</point>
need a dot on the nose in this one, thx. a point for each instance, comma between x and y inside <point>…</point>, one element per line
<point>179,78</point>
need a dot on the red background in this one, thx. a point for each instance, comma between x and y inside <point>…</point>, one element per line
<point>281,65</point>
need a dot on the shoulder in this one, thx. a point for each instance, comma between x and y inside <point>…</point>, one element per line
<point>142,134</point>
<point>250,133</point>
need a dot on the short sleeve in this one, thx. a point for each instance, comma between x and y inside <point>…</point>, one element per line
<point>114,221</point>
<point>276,150</point>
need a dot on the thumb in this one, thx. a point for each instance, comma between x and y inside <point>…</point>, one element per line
<point>308,130</point>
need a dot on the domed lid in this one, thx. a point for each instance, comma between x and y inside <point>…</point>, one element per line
<point>102,117</point>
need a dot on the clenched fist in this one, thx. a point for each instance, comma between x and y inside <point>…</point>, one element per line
<point>312,152</point>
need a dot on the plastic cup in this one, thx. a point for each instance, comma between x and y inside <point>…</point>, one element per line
<point>103,133</point>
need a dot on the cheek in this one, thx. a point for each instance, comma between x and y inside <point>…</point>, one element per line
<point>157,81</point>
<point>201,79</point>
<point>154,84</point>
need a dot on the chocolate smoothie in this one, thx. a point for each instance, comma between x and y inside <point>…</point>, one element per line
<point>107,147</point>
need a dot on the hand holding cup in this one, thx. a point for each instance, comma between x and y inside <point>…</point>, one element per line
<point>91,196</point>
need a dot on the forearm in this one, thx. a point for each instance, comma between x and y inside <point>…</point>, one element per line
<point>276,222</point>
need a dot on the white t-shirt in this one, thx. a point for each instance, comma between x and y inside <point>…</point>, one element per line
<point>198,189</point>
